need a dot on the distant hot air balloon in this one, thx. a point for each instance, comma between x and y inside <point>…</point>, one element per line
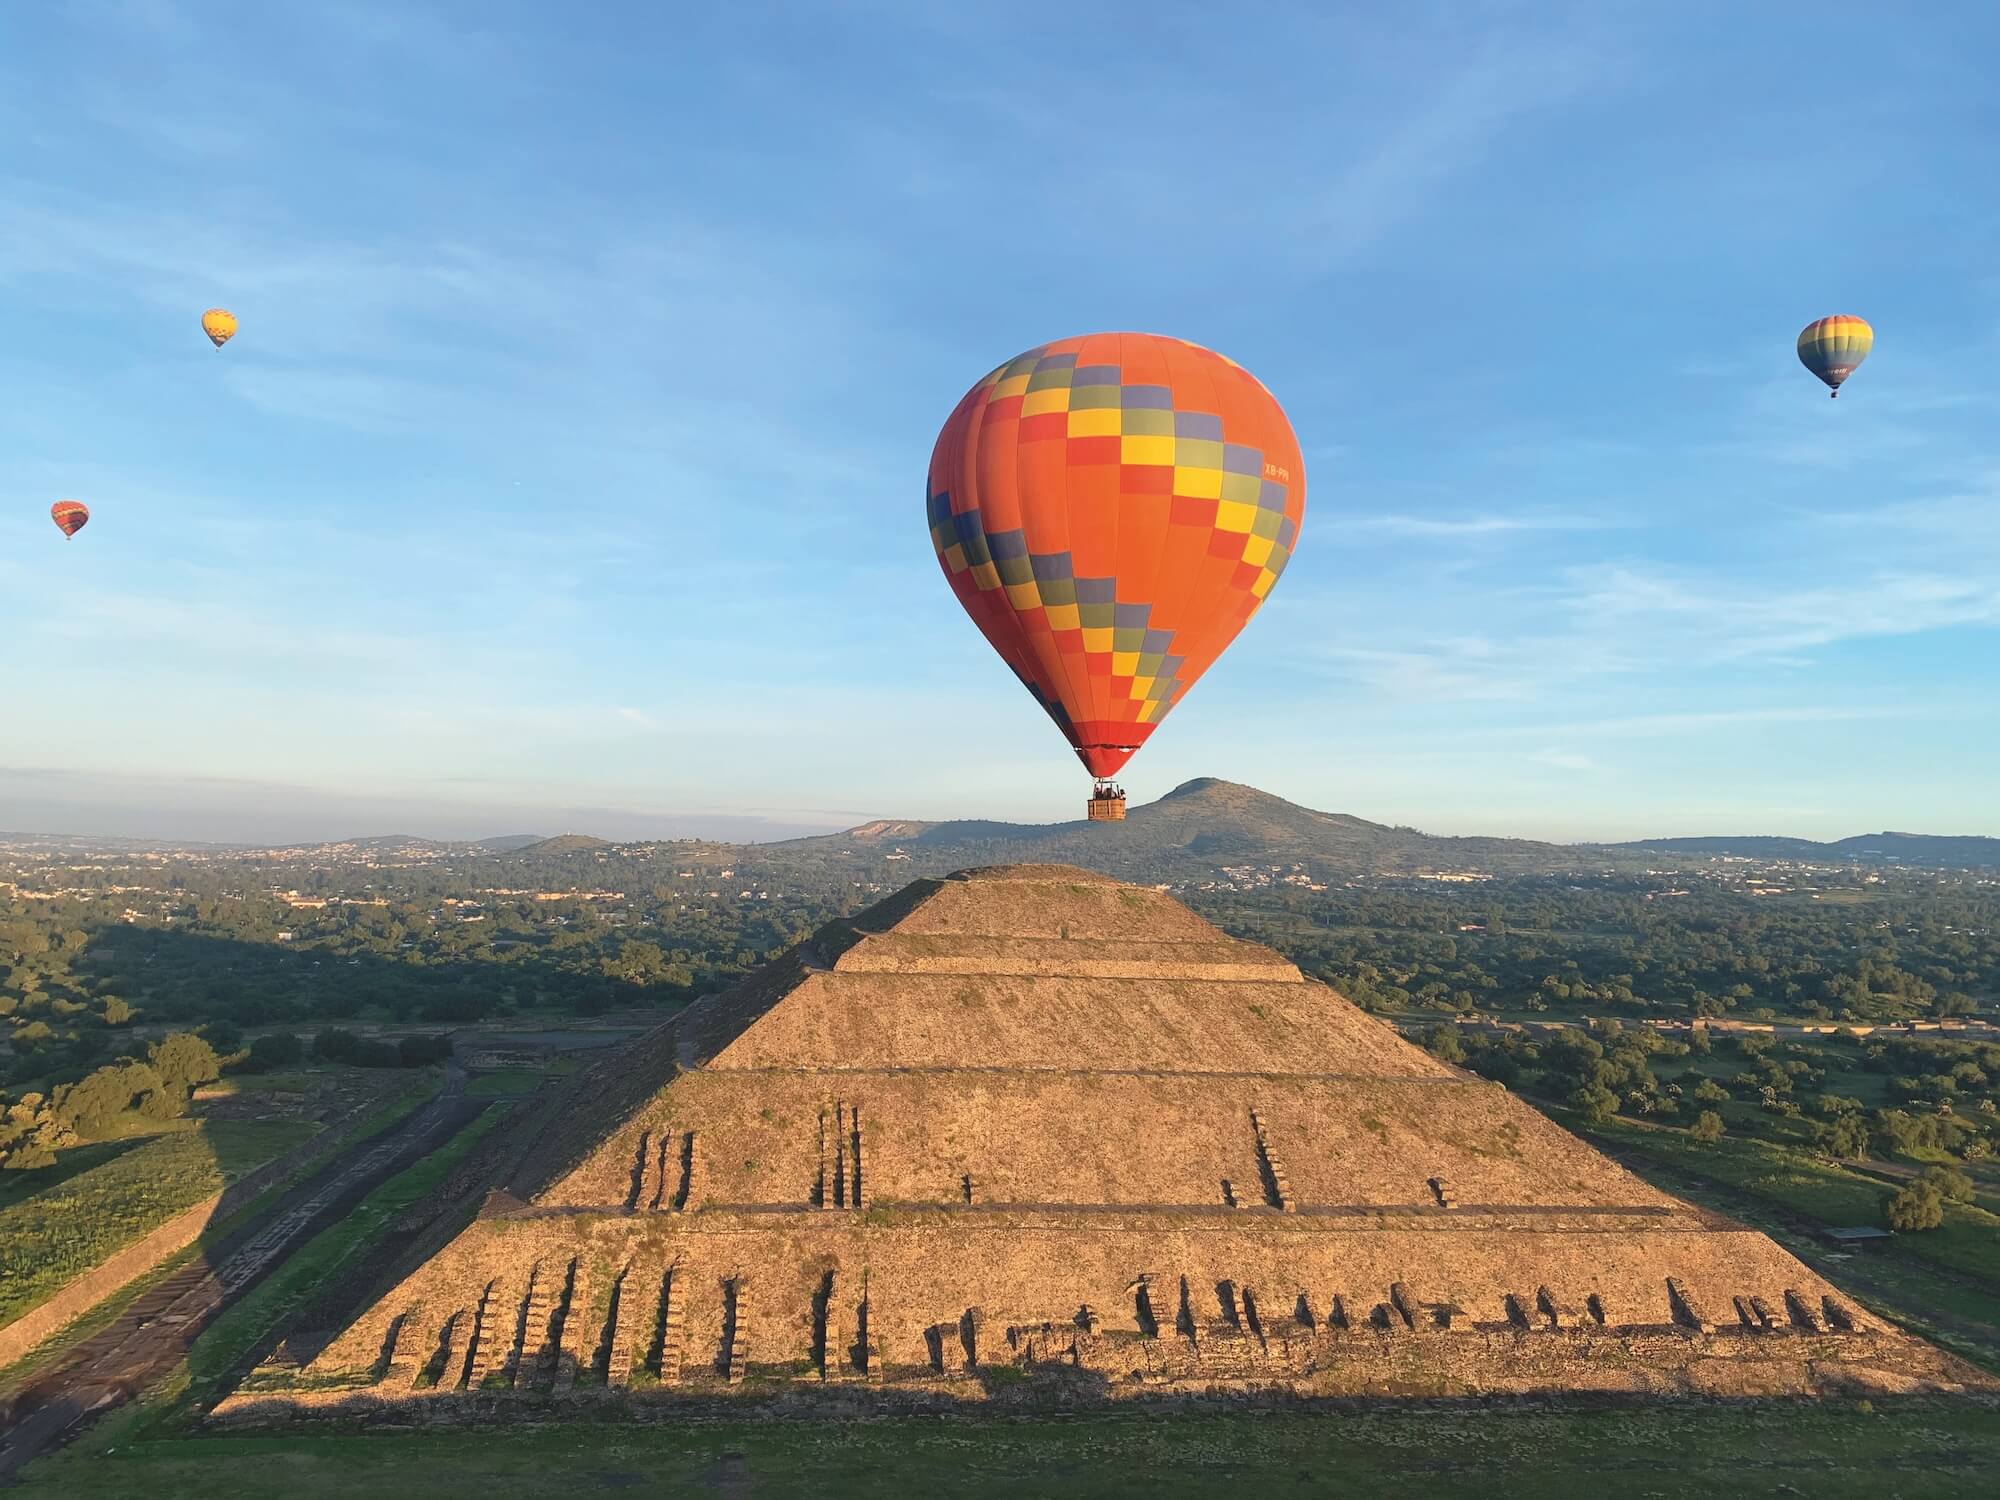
<point>70,515</point>
<point>1111,510</point>
<point>1833,348</point>
<point>219,323</point>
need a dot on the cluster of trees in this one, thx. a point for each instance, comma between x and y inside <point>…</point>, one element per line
<point>1928,945</point>
<point>337,1046</point>
<point>1611,1069</point>
<point>215,947</point>
<point>36,1126</point>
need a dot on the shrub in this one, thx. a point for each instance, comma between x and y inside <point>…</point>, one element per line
<point>417,1051</point>
<point>1707,1128</point>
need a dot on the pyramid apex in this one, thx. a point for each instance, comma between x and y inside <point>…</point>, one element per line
<point>1035,875</point>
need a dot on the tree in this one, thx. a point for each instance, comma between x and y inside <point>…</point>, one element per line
<point>1708,1091</point>
<point>93,1104</point>
<point>1948,1182</point>
<point>1914,1208</point>
<point>335,1045</point>
<point>279,1050</point>
<point>184,1061</point>
<point>1442,1042</point>
<point>1707,1128</point>
<point>29,1156</point>
<point>1594,1102</point>
<point>1847,1138</point>
<point>116,1011</point>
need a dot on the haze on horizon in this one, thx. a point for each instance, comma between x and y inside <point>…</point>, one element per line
<point>567,471</point>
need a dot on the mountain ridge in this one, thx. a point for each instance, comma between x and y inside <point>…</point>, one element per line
<point>1940,850</point>
<point>1197,827</point>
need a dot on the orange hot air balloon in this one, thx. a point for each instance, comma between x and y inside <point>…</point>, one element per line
<point>219,323</point>
<point>1111,510</point>
<point>71,516</point>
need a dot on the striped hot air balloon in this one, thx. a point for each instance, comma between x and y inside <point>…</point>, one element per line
<point>1833,348</point>
<point>1111,510</point>
<point>70,516</point>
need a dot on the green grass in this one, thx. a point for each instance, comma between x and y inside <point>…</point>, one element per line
<point>68,1226</point>
<point>285,1081</point>
<point>1968,1242</point>
<point>1896,1450</point>
<point>504,1083</point>
<point>386,1113</point>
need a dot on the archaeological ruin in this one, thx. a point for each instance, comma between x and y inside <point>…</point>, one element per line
<point>1029,1122</point>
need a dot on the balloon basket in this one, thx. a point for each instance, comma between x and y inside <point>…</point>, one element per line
<point>1107,803</point>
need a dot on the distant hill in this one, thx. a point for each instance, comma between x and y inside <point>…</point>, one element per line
<point>508,843</point>
<point>389,843</point>
<point>1195,830</point>
<point>1748,846</point>
<point>562,843</point>
<point>1940,851</point>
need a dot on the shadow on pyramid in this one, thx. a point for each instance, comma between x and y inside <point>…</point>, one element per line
<point>1032,1122</point>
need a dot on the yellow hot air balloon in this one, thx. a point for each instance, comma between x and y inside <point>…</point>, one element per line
<point>219,323</point>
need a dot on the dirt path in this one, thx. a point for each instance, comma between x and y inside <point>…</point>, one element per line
<point>149,1337</point>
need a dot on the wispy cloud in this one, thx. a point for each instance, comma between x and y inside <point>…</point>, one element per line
<point>1669,725</point>
<point>1455,125</point>
<point>1564,760</point>
<point>1452,528</point>
<point>1726,619</point>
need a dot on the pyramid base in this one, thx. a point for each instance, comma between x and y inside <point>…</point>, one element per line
<point>530,1309</point>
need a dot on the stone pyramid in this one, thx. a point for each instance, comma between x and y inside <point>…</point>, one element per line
<point>1030,1119</point>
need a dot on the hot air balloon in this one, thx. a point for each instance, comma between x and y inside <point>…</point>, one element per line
<point>1111,510</point>
<point>70,516</point>
<point>1833,348</point>
<point>219,323</point>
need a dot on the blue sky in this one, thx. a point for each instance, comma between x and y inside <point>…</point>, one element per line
<point>568,469</point>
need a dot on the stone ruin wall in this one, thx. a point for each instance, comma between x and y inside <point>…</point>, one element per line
<point>556,1304</point>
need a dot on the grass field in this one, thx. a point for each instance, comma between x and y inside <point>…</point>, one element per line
<point>387,1112</point>
<point>505,1083</point>
<point>224,1346</point>
<point>102,1197</point>
<point>1968,1241</point>
<point>1934,1451</point>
